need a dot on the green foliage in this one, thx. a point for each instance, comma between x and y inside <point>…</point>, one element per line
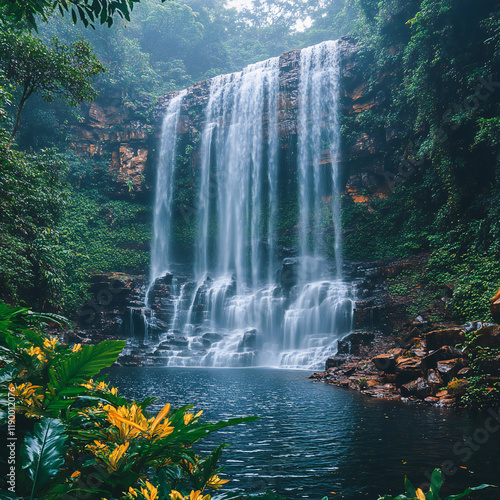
<point>483,390</point>
<point>136,454</point>
<point>33,195</point>
<point>434,489</point>
<point>52,71</point>
<point>43,453</point>
<point>439,189</point>
<point>87,11</point>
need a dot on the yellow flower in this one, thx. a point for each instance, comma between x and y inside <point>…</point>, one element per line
<point>131,422</point>
<point>175,495</point>
<point>150,492</point>
<point>420,494</point>
<point>188,417</point>
<point>76,347</point>
<point>197,495</point>
<point>194,495</point>
<point>36,351</point>
<point>101,387</point>
<point>27,393</point>
<point>50,343</point>
<point>116,456</point>
<point>132,492</point>
<point>216,482</point>
<point>98,449</point>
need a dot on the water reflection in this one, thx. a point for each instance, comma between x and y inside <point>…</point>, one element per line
<point>314,439</point>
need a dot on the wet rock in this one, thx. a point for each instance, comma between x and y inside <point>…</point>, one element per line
<point>129,360</point>
<point>445,352</point>
<point>249,340</point>
<point>457,387</point>
<point>179,342</point>
<point>289,272</point>
<point>447,402</point>
<point>372,382</point>
<point>431,399</point>
<point>439,338</point>
<point>334,362</point>
<point>491,365</point>
<point>408,369</point>
<point>466,372</point>
<point>434,379</point>
<point>385,362</point>
<point>448,369</point>
<point>352,342</point>
<point>212,337</point>
<point>419,388</point>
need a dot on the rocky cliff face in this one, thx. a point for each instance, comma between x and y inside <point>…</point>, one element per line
<point>111,128</point>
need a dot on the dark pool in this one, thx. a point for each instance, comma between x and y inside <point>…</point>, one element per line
<point>315,439</point>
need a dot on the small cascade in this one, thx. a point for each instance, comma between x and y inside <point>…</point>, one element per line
<point>239,305</point>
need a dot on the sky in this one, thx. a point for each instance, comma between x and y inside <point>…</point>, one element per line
<point>239,4</point>
<point>300,25</point>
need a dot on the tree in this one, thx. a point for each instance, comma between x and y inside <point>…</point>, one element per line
<point>52,71</point>
<point>86,11</point>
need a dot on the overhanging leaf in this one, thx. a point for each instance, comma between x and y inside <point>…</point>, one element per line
<point>76,368</point>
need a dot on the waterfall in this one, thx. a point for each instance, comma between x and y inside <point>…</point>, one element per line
<point>234,187</point>
<point>160,250</point>
<point>242,306</point>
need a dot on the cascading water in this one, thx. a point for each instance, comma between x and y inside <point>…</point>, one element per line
<point>243,309</point>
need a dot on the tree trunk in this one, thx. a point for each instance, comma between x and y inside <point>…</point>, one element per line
<point>22,102</point>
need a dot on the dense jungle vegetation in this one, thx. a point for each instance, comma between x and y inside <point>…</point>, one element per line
<point>438,62</point>
<point>61,220</point>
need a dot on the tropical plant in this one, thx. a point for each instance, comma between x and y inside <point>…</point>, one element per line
<point>434,489</point>
<point>75,427</point>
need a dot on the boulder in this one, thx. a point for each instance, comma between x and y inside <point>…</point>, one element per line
<point>434,379</point>
<point>352,342</point>
<point>212,337</point>
<point>179,342</point>
<point>439,338</point>
<point>419,388</point>
<point>457,387</point>
<point>408,369</point>
<point>495,307</point>
<point>431,399</point>
<point>385,362</point>
<point>249,340</point>
<point>487,336</point>
<point>445,352</point>
<point>448,369</point>
<point>289,272</point>
<point>334,362</point>
<point>466,372</point>
<point>491,365</point>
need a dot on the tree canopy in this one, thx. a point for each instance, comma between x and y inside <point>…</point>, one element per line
<point>89,12</point>
<point>53,71</point>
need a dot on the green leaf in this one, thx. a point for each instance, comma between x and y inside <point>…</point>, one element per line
<point>468,491</point>
<point>436,483</point>
<point>43,452</point>
<point>410,489</point>
<point>76,368</point>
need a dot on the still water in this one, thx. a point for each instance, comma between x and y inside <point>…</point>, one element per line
<point>314,439</point>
